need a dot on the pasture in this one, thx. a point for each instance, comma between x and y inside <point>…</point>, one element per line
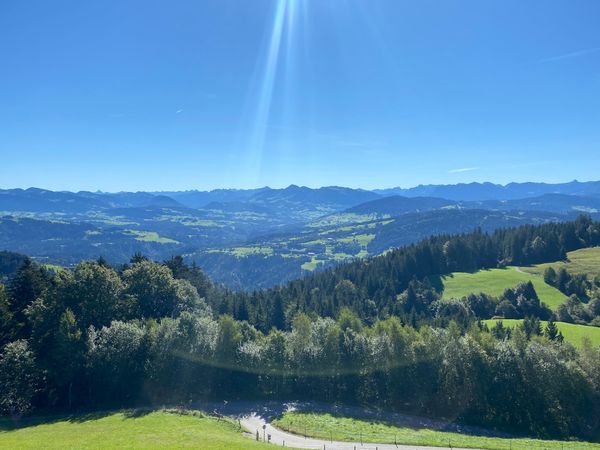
<point>126,429</point>
<point>151,236</point>
<point>327,426</point>
<point>495,281</point>
<point>572,333</point>
<point>583,261</point>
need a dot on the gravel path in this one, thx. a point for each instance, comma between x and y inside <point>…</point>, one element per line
<point>254,423</point>
<point>253,416</point>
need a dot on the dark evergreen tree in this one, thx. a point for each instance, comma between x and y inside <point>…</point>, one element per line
<point>28,284</point>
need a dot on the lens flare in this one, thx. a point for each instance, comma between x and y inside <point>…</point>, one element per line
<point>279,48</point>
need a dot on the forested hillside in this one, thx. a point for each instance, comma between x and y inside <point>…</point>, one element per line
<point>374,331</point>
<point>398,282</point>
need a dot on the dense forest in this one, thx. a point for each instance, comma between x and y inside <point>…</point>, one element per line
<point>373,331</point>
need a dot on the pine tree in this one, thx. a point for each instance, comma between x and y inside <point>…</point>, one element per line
<point>27,285</point>
<point>551,330</point>
<point>550,276</point>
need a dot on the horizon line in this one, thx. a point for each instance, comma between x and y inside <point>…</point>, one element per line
<point>100,191</point>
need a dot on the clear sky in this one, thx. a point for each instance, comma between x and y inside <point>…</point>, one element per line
<point>198,94</point>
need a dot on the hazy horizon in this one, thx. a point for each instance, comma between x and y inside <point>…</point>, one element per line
<point>294,184</point>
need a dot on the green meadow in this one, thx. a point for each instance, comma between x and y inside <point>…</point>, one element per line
<point>572,333</point>
<point>495,281</point>
<point>245,251</point>
<point>151,236</point>
<point>127,429</point>
<point>327,426</point>
<point>583,261</point>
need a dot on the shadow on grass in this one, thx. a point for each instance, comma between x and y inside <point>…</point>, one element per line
<point>437,282</point>
<point>15,423</point>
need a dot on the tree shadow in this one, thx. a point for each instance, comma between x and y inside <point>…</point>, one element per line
<point>16,423</point>
<point>437,282</point>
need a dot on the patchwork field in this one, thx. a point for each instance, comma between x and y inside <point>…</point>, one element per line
<point>313,249</point>
<point>327,426</point>
<point>572,333</point>
<point>585,260</point>
<point>495,281</point>
<point>132,430</point>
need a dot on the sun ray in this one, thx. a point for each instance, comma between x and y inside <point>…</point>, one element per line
<point>257,139</point>
<point>276,65</point>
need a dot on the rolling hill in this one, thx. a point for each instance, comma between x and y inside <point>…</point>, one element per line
<point>298,229</point>
<point>583,261</point>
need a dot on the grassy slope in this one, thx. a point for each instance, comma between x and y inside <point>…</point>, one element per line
<point>495,281</point>
<point>346,429</point>
<point>157,429</point>
<point>586,260</point>
<point>151,236</point>
<point>572,333</point>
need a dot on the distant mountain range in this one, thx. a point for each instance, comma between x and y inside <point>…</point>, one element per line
<point>262,237</point>
<point>336,198</point>
<point>490,191</point>
<point>556,203</point>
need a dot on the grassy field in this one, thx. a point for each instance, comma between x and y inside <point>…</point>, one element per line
<point>157,429</point>
<point>346,429</point>
<point>341,219</point>
<point>572,333</point>
<point>151,236</point>
<point>495,281</point>
<point>311,265</point>
<point>245,251</point>
<point>586,260</point>
<point>53,267</point>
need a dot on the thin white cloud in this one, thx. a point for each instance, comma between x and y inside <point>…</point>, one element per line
<point>179,111</point>
<point>574,54</point>
<point>463,169</point>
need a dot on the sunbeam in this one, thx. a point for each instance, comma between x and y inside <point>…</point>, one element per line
<point>281,32</point>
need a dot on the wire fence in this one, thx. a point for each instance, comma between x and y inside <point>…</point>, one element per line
<point>372,439</point>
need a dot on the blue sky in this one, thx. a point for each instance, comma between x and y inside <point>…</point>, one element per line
<point>200,94</point>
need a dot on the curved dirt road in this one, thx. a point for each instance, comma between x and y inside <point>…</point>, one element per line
<point>254,423</point>
<point>252,416</point>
